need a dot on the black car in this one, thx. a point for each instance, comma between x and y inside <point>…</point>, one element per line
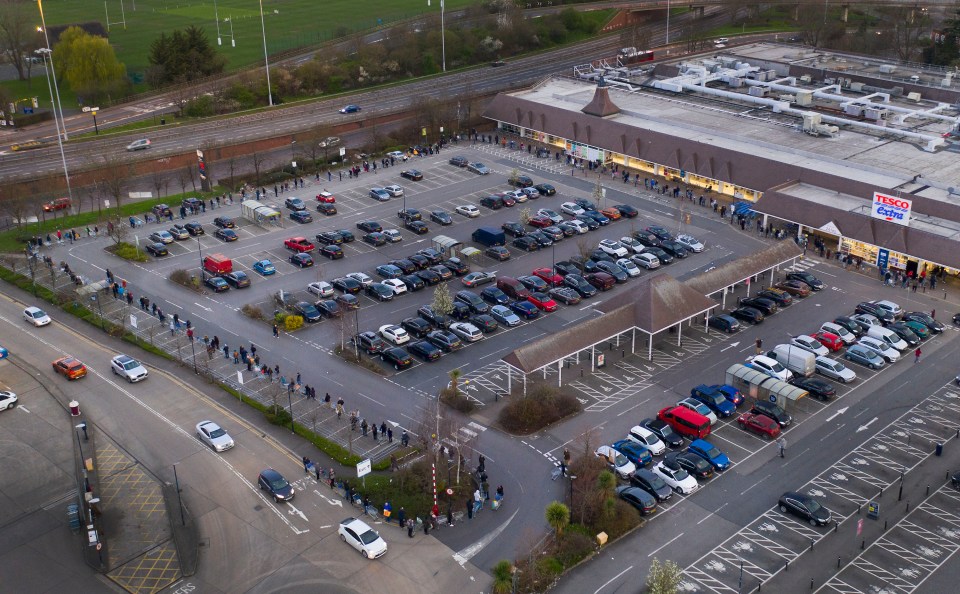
<point>778,296</point>
<point>375,239</point>
<point>540,237</point>
<point>520,181</point>
<point>418,227</point>
<point>370,226</point>
<point>925,319</point>
<point>533,283</point>
<point>301,216</point>
<point>724,323</point>
<point>494,296</point>
<point>766,306</point>
<point>747,314</point>
<point>346,284</point>
<point>273,482</point>
<point>405,265</point>
<point>664,432</point>
<point>345,235</point>
<point>626,210</point>
<point>370,342</point>
<point>446,341</point>
<point>426,312</point>
<point>329,308</point>
<point>460,311</point>
<point>224,223</point>
<point>473,301</point>
<point>492,202</point>
<point>513,228</point>
<point>444,272</point>
<point>527,244</point>
<point>334,252</point>
<point>811,281</point>
<point>568,229</point>
<point>325,208</point>
<point>440,217</point>
<point>646,239</point>
<point>651,483</point>
<point>432,255</point>
<point>416,327</point>
<point>661,233</point>
<point>194,228</point>
<point>227,235</point>
<point>329,238</point>
<point>818,388</point>
<point>420,261</point>
<point>301,260</point>
<point>157,249</point>
<point>762,407</point>
<point>580,285</point>
<point>885,317</point>
<point>590,222</point>
<point>485,323</point>
<point>430,277</point>
<point>545,189</point>
<point>348,301</point>
<point>904,332</point>
<point>457,266</point>
<point>237,279</point>
<point>644,502</point>
<point>380,292</point>
<point>850,324</point>
<point>613,270</point>
<point>692,463</point>
<point>413,282</point>
<point>554,233</point>
<point>585,204</point>
<point>307,311</point>
<point>805,507</point>
<point>425,350</point>
<point>409,214</point>
<point>565,295</point>
<point>459,161</point>
<point>564,268</point>
<point>399,358</point>
<point>412,175</point>
<point>661,255</point>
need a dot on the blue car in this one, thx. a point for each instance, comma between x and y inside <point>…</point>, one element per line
<point>4,353</point>
<point>730,393</point>
<point>525,309</point>
<point>714,400</point>
<point>633,451</point>
<point>597,216</point>
<point>503,315</point>
<point>350,109</point>
<point>264,267</point>
<point>389,271</point>
<point>710,453</point>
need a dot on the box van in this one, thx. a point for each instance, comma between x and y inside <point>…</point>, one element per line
<point>217,264</point>
<point>512,287</point>
<point>888,336</point>
<point>489,236</point>
<point>685,421</point>
<point>795,359</point>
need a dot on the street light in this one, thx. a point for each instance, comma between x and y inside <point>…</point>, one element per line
<point>443,37</point>
<point>46,53</point>
<point>46,37</point>
<point>266,58</point>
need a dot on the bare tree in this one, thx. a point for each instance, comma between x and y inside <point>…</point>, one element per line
<point>258,160</point>
<point>191,173</point>
<point>17,208</point>
<point>910,26</point>
<point>233,166</point>
<point>182,178</point>
<point>18,37</point>
<point>157,179</point>
<point>115,176</point>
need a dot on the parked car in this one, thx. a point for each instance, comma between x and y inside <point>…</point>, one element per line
<point>864,356</point>
<point>773,411</point>
<point>761,425</point>
<point>747,314</point>
<point>644,502</point>
<point>805,507</point>
<point>724,323</point>
<point>835,370</point>
<point>676,477</point>
<point>636,453</point>
<point>818,388</point>
<point>399,358</point>
<point>651,483</point>
<point>661,430</point>
<point>771,367</point>
<point>710,453</point>
<point>803,276</point>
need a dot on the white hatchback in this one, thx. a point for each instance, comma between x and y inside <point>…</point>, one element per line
<point>571,208</point>
<point>628,266</point>
<point>398,286</point>
<point>362,537</point>
<point>394,190</point>
<point>468,210</point>
<point>648,439</point>
<point>676,478</point>
<point>36,316</point>
<point>810,344</point>
<point>394,334</point>
<point>771,367</point>
<point>623,467</point>
<point>321,289</point>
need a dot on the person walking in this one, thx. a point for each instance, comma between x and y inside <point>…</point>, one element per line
<point>759,344</point>
<point>917,354</point>
<point>477,501</point>
<point>276,331</point>
<point>306,465</point>
<point>782,446</point>
<point>389,435</point>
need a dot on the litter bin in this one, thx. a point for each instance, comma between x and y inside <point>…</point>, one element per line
<point>939,450</point>
<point>163,121</point>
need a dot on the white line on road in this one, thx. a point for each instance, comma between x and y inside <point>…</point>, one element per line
<point>754,484</point>
<point>612,579</point>
<point>464,555</point>
<point>656,550</point>
<point>202,306</point>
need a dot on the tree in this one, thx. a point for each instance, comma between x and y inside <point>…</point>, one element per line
<point>664,578</point>
<point>503,577</point>
<point>558,516</point>
<point>442,302</point>
<point>89,64</point>
<point>18,37</point>
<point>183,56</point>
<point>258,160</point>
<point>598,193</point>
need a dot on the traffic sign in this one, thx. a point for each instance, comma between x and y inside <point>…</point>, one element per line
<point>363,468</point>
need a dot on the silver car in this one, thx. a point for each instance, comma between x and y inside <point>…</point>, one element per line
<point>128,368</point>
<point>835,370</point>
<point>214,436</point>
<point>478,168</point>
<point>466,331</point>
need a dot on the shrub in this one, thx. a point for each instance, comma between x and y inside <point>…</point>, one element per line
<point>128,252</point>
<point>280,317</point>
<point>540,407</point>
<point>366,362</point>
<point>574,547</point>
<point>277,415</point>
<point>623,519</point>
<point>456,401</point>
<point>551,567</point>
<point>291,323</point>
<point>252,311</point>
<point>186,279</point>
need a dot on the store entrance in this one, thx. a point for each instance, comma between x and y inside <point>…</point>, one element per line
<point>912,268</point>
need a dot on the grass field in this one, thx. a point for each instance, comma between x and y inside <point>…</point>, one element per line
<point>289,23</point>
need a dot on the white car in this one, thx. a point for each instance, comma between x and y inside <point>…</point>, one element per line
<point>631,244</point>
<point>139,145</point>
<point>392,235</point>
<point>128,368</point>
<point>648,439</point>
<point>771,367</point>
<point>844,334</point>
<point>8,400</point>
<point>699,407</point>
<point>466,331</point>
<point>690,242</point>
<point>866,319</point>
<point>571,208</point>
<point>36,316</point>
<point>580,226</point>
<point>400,155</point>
<point>811,345</point>
<point>889,354</point>
<point>531,193</point>
<point>394,334</point>
<point>214,436</point>
<point>364,280</point>
<point>553,215</point>
<point>889,306</point>
<point>835,370</point>
<point>613,248</point>
<point>517,195</point>
<point>468,210</point>
<point>321,289</point>
<point>676,478</point>
<point>365,539</point>
<point>646,260</point>
<point>394,190</point>
<point>623,467</point>
<point>398,286</point>
<point>628,266</point>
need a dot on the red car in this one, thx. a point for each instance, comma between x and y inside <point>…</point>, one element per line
<point>326,196</point>
<point>543,301</point>
<point>549,276</point>
<point>762,425</point>
<point>507,200</point>
<point>611,213</point>
<point>829,340</point>
<point>298,244</point>
<point>539,221</point>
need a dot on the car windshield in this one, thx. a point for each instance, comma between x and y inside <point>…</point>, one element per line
<point>620,460</point>
<point>657,483</point>
<point>38,314</point>
<point>218,432</point>
<point>131,365</point>
<point>680,474</point>
<point>279,484</point>
<point>777,367</point>
<point>369,537</point>
<point>812,505</point>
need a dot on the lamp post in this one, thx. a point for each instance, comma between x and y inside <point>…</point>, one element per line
<point>290,406</point>
<point>193,351</point>
<point>668,23</point>
<point>47,53</point>
<point>573,477</point>
<point>443,37</point>
<point>266,58</point>
<point>46,37</point>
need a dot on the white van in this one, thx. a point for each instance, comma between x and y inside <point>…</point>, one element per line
<point>794,358</point>
<point>888,336</point>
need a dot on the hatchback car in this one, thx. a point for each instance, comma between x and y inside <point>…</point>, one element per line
<point>161,237</point>
<point>333,252</point>
<point>811,281</point>
<point>747,314</point>
<point>661,430</point>
<point>676,477</point>
<point>416,326</point>
<point>498,253</point>
<point>724,323</point>
<point>710,453</point>
<point>370,226</point>
<point>810,344</point>
<point>264,267</point>
<point>648,439</point>
<point>925,319</point>
<point>216,284</point>
<point>214,436</point>
<point>829,341</point>
<point>227,235</point>
<point>273,483</point>
<point>805,507</point>
<point>445,341</point>
<point>394,334</point>
<point>237,279</point>
<point>397,357</point>
<point>835,370</point>
<point>157,249</point>
<point>696,466</point>
<point>525,309</point>
<point>771,367</point>
<point>761,425</point>
<point>302,260</point>
<point>640,455</point>
<point>503,315</point>
<point>425,350</point>
<point>70,368</point>
<point>794,287</point>
<point>699,408</point>
<point>773,411</point>
<point>889,354</point>
<point>644,502</point>
<point>651,483</point>
<point>468,210</point>
<point>466,331</point>
<point>478,168</point>
<point>818,388</point>
<point>864,356</point>
<point>870,308</point>
<point>714,400</point>
<point>564,295</point>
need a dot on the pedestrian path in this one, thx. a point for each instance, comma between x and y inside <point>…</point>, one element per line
<point>548,164</point>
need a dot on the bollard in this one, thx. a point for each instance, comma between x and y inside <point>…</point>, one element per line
<point>908,507</point>
<point>786,566</point>
<point>581,373</point>
<point>884,525</point>
<point>858,508</point>
<point>863,543</point>
<point>836,527</point>
<point>900,494</point>
<point>928,490</point>
<point>838,561</point>
<point>623,353</point>
<point>811,544</point>
<point>811,583</point>
<point>880,494</point>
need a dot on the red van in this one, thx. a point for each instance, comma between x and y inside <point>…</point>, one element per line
<point>686,422</point>
<point>217,264</point>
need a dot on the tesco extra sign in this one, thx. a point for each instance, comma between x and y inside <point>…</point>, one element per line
<point>891,208</point>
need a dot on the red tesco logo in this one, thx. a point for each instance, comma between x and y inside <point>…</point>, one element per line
<point>891,201</point>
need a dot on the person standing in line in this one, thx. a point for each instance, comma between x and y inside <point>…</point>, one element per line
<point>759,344</point>
<point>410,527</point>
<point>402,517</point>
